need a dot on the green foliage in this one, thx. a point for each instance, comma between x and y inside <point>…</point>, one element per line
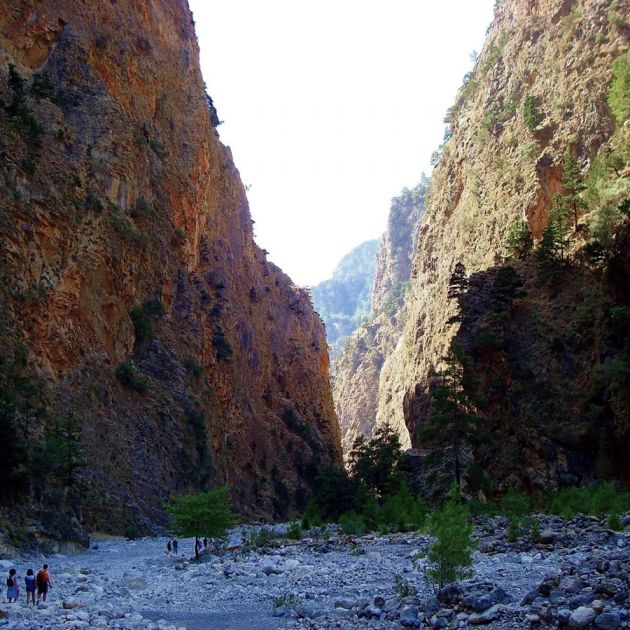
<point>294,531</point>
<point>352,524</point>
<point>450,556</point>
<point>142,318</point>
<point>374,462</point>
<point>514,529</point>
<point>93,203</point>
<point>614,522</point>
<point>457,289</point>
<point>596,500</point>
<point>514,504</point>
<point>204,514</point>
<point>506,287</point>
<point>42,86</point>
<point>63,449</point>
<point>128,375</point>
<point>222,345</point>
<point>619,93</point>
<point>193,367</point>
<point>335,493</point>
<point>157,146</point>
<point>286,600</point>
<point>261,537</point>
<point>573,186</point>
<point>403,512</point>
<point>531,115</point>
<point>534,532</point>
<point>453,420</point>
<point>520,241</point>
<point>403,588</point>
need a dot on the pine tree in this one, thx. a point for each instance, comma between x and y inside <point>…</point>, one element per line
<point>64,451</point>
<point>573,185</point>
<point>520,241</point>
<point>457,288</point>
<point>506,287</point>
<point>374,462</point>
<point>453,421</point>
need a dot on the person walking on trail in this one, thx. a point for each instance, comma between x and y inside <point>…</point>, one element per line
<point>13,590</point>
<point>169,548</point>
<point>205,543</point>
<point>29,580</point>
<point>174,546</point>
<point>42,581</point>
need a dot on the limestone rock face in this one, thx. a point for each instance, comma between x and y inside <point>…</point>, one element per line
<point>500,166</point>
<point>356,371</point>
<point>116,193</point>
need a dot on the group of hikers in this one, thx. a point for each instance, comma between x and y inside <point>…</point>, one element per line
<point>171,546</point>
<point>40,583</point>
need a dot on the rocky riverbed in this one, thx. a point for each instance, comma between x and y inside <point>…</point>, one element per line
<point>577,576</point>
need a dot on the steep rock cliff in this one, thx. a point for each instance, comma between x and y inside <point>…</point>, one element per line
<point>538,90</point>
<point>126,247</point>
<point>356,371</point>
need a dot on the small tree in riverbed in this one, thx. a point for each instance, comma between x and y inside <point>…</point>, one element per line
<point>203,514</point>
<point>450,556</point>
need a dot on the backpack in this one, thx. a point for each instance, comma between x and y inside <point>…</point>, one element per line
<point>10,581</point>
<point>40,578</point>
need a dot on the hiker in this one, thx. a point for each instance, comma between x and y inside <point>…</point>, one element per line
<point>169,548</point>
<point>13,590</point>
<point>197,545</point>
<point>42,581</point>
<point>29,580</point>
<point>205,543</point>
<point>175,546</point>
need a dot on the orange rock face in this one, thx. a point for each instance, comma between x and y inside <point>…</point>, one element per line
<point>127,195</point>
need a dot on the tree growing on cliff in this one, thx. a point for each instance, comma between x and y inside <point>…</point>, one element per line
<point>63,449</point>
<point>457,288</point>
<point>573,186</point>
<point>520,241</point>
<point>204,514</point>
<point>453,422</point>
<point>506,287</point>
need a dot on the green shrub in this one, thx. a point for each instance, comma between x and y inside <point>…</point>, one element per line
<point>514,504</point>
<point>514,529</point>
<point>403,588</point>
<point>402,512</point>
<point>614,522</point>
<point>202,514</point>
<point>450,556</point>
<point>530,113</point>
<point>142,318</point>
<point>534,532</point>
<point>335,493</point>
<point>294,531</point>
<point>352,524</point>
<point>619,93</point>
<point>520,242</point>
<point>222,345</point>
<point>193,367</point>
<point>262,537</point>
<point>128,375</point>
<point>597,500</point>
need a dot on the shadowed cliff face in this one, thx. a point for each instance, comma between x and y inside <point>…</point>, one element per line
<point>117,193</point>
<point>498,167</point>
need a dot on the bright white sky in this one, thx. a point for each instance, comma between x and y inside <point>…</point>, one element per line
<point>330,108</point>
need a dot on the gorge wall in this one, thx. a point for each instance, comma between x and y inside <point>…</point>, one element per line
<point>356,371</point>
<point>135,306</point>
<point>539,90</point>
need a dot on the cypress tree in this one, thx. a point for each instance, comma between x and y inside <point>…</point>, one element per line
<point>457,288</point>
<point>573,185</point>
